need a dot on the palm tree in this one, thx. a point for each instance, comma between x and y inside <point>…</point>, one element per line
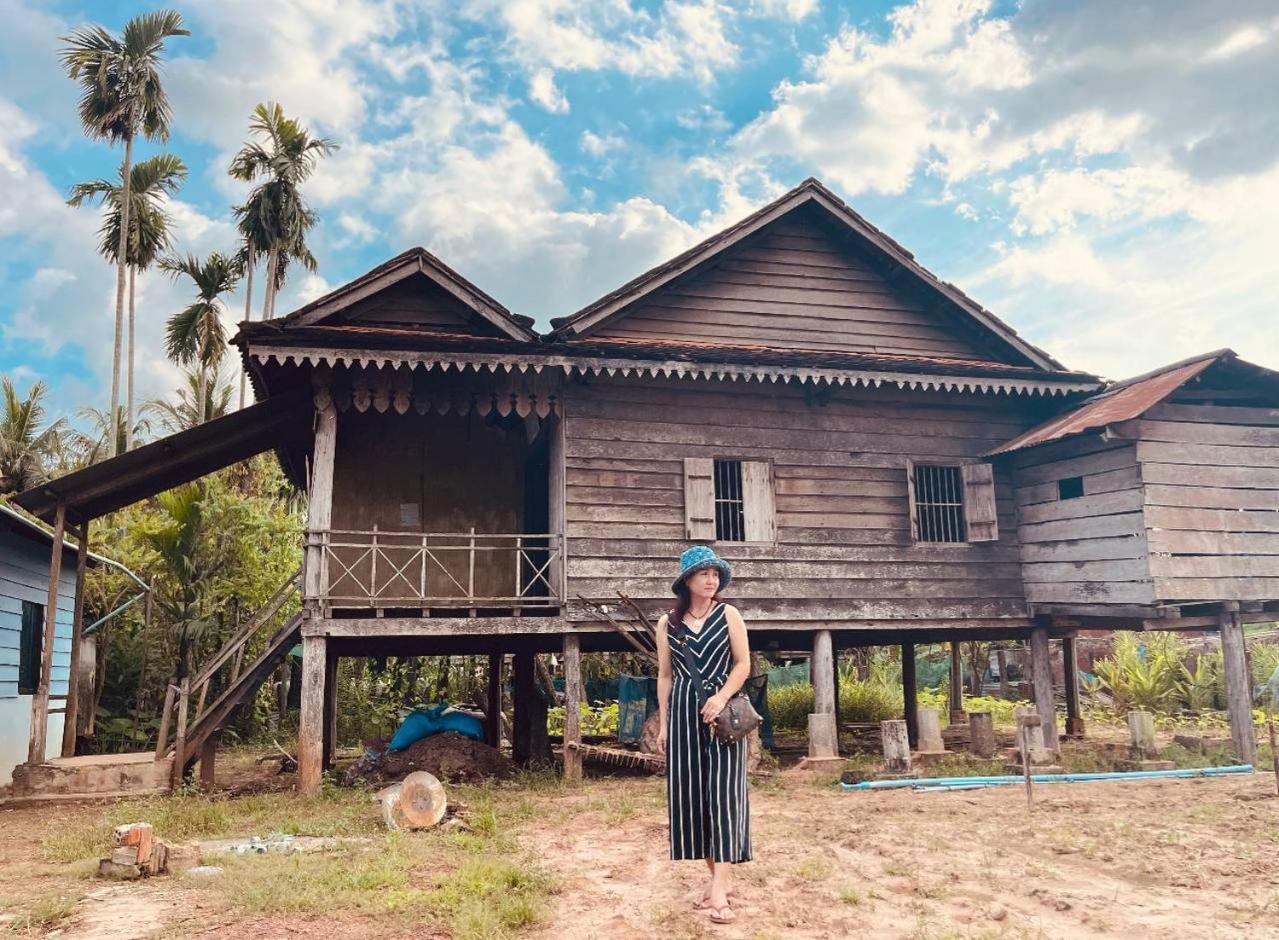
<point>196,334</point>
<point>122,97</point>
<point>185,413</point>
<point>27,443</point>
<point>179,544</point>
<point>275,218</point>
<point>149,182</point>
<point>94,445</point>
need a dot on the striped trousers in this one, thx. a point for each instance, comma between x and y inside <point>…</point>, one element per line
<point>705,785</point>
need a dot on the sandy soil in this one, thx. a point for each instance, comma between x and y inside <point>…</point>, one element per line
<point>1182,858</point>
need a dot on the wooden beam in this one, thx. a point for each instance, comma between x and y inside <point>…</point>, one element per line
<point>179,768</point>
<point>1234,654</point>
<point>910,694</point>
<point>311,722</point>
<point>957,713</point>
<point>70,719</point>
<point>572,708</point>
<point>319,504</point>
<point>1070,672</point>
<point>1042,682</point>
<point>40,701</point>
<point>493,708</point>
<point>208,757</point>
<point>330,707</point>
<point>822,673</point>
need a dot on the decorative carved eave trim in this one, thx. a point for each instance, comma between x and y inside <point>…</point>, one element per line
<point>754,372</point>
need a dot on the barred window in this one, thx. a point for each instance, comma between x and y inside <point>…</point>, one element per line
<point>938,503</point>
<point>730,502</point>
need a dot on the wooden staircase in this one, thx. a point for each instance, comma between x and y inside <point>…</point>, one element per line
<point>184,732</point>
<point>235,685</point>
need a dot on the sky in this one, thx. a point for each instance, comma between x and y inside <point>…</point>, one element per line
<point>1102,176</point>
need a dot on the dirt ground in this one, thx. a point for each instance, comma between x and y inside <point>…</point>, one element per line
<point>1177,858</point>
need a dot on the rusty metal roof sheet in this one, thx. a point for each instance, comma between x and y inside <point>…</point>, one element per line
<point>1120,402</point>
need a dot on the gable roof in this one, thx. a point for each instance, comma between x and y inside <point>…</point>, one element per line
<point>809,192</point>
<point>1124,401</point>
<point>405,265</point>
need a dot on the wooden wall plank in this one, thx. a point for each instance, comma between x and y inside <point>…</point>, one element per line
<point>790,290</point>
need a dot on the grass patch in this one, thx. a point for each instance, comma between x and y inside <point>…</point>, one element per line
<point>333,812</point>
<point>44,914</point>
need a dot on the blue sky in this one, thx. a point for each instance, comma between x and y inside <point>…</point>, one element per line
<point>1102,176</point>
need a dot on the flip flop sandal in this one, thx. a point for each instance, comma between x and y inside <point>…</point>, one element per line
<point>705,903</point>
<point>722,915</point>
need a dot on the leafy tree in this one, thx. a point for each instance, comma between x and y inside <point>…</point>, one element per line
<point>196,334</point>
<point>27,441</point>
<point>122,96</point>
<point>150,181</point>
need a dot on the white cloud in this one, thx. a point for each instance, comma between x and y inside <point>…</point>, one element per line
<point>599,146</point>
<point>541,88</point>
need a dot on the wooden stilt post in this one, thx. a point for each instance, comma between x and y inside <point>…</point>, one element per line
<point>180,734</point>
<point>531,746</point>
<point>572,708</point>
<point>822,738</point>
<point>70,720</point>
<point>1070,672</point>
<point>834,666</point>
<point>40,701</point>
<point>311,720</point>
<point>493,708</point>
<point>910,694</point>
<point>208,757</point>
<point>330,708</point>
<point>1042,667</point>
<point>1238,684</point>
<point>315,664</point>
<point>957,716</point>
<point>1001,657</point>
<point>166,716</point>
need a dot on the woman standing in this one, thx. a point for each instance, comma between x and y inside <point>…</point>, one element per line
<point>705,778</point>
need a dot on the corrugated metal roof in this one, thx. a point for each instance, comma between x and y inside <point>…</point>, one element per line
<point>1122,402</point>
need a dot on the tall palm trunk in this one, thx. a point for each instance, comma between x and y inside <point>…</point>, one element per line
<point>128,395</point>
<point>268,302</point>
<point>248,311</point>
<point>122,253</point>
<point>200,394</point>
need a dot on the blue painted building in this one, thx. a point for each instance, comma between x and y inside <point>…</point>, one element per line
<point>24,597</point>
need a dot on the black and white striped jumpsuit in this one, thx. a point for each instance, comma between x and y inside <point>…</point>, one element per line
<point>705,779</point>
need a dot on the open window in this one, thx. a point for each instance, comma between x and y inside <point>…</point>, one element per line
<point>729,500</point>
<point>32,649</point>
<point>952,503</point>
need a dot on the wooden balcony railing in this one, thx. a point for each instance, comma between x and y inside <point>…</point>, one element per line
<point>384,568</point>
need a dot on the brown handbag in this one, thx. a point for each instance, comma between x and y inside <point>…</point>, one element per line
<point>738,717</point>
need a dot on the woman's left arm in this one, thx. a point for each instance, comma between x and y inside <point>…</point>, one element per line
<point>741,671</point>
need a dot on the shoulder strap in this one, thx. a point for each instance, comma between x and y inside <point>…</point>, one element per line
<point>689,663</point>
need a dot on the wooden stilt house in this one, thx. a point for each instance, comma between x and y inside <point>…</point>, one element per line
<point>880,458</point>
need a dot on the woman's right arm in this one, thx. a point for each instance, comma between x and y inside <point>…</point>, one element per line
<point>664,682</point>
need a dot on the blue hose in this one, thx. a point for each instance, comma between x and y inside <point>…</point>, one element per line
<point>953,783</point>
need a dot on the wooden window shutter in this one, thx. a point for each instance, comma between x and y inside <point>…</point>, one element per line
<point>979,502</point>
<point>699,499</point>
<point>761,514</point>
<point>910,497</point>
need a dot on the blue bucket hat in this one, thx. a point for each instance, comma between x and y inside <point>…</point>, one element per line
<point>697,558</point>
